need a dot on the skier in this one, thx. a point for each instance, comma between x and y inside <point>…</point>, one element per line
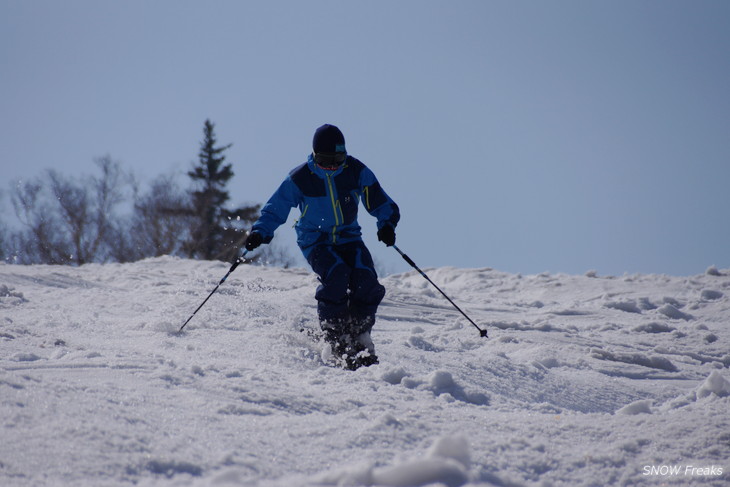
<point>328,189</point>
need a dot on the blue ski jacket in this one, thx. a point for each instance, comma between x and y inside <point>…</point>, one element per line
<point>328,201</point>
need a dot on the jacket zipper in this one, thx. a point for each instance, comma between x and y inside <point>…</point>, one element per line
<point>334,209</point>
<point>306,207</point>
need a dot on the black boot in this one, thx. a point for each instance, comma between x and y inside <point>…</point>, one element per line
<point>336,333</point>
<point>363,350</point>
<point>361,324</point>
<point>350,341</point>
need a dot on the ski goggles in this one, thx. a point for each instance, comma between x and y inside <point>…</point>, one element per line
<point>330,159</point>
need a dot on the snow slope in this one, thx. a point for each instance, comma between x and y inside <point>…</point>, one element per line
<point>585,380</point>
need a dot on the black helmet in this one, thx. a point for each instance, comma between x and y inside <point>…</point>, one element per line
<point>328,146</point>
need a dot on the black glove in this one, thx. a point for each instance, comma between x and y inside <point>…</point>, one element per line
<point>253,240</point>
<point>387,235</point>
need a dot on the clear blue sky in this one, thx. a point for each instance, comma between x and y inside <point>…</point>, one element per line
<point>527,136</point>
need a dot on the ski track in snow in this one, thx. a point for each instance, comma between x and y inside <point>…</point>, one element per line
<point>584,380</point>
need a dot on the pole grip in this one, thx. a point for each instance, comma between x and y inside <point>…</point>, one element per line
<point>233,266</point>
<point>406,258</point>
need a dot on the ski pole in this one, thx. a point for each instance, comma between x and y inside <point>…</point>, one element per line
<point>233,268</point>
<point>482,332</point>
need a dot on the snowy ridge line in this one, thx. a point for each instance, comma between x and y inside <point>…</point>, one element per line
<point>12,368</point>
<point>704,359</point>
<point>641,359</point>
<point>96,388</point>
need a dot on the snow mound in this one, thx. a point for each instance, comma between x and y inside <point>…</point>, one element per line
<point>715,385</point>
<point>671,311</point>
<point>654,327</point>
<point>442,382</point>
<point>8,296</point>
<point>627,306</point>
<point>446,463</point>
<point>422,472</point>
<point>654,362</point>
<point>637,407</point>
<point>711,294</point>
<point>713,271</point>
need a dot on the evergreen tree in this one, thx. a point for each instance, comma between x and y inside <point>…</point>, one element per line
<point>217,233</point>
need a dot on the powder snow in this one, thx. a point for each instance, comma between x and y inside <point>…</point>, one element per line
<point>583,381</point>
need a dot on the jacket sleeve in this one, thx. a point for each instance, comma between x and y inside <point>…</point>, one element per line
<point>276,210</point>
<point>376,200</point>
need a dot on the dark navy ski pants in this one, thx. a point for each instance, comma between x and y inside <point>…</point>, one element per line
<point>349,291</point>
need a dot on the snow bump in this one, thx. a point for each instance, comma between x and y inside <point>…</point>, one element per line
<point>637,407</point>
<point>442,382</point>
<point>671,311</point>
<point>654,362</point>
<point>715,384</point>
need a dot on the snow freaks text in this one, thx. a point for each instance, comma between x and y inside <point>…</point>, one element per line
<point>682,470</point>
